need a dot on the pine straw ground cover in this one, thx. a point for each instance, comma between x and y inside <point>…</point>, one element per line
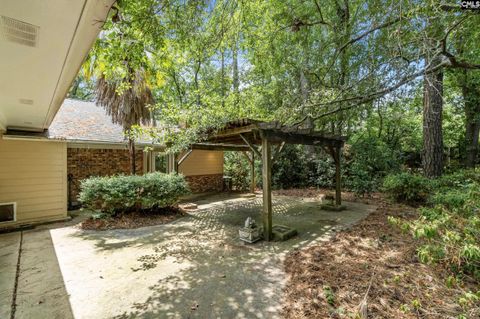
<point>134,219</point>
<point>369,271</point>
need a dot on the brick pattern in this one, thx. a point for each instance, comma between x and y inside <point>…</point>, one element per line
<point>83,163</point>
<point>205,183</point>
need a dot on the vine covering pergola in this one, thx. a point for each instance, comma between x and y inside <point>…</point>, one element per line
<point>266,140</point>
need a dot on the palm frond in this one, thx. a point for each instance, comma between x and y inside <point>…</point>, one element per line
<point>131,106</point>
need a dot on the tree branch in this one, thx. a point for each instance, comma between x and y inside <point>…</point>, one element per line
<point>364,34</point>
<point>359,100</point>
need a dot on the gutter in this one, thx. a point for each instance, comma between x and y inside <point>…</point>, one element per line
<point>77,142</point>
<point>86,31</point>
<point>65,62</point>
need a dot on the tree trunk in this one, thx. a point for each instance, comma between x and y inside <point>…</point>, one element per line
<point>432,122</point>
<point>131,149</point>
<point>236,81</point>
<point>471,97</point>
<point>309,123</point>
<point>223,78</point>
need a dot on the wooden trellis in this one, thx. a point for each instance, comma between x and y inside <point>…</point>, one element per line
<point>257,139</point>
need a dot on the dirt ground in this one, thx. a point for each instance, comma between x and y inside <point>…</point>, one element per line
<point>371,268</point>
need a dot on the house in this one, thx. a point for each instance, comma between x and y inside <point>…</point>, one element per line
<point>42,46</point>
<point>97,147</point>
<point>81,142</point>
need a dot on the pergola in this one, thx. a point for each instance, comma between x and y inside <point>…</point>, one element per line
<point>257,139</point>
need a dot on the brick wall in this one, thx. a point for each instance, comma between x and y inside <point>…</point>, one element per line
<point>83,163</point>
<point>205,183</point>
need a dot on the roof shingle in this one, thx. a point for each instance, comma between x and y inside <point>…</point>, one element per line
<point>84,121</point>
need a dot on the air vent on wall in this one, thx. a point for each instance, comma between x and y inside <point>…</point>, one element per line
<point>26,101</point>
<point>19,32</point>
<point>8,212</point>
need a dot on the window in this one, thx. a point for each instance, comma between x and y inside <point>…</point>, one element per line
<point>7,212</point>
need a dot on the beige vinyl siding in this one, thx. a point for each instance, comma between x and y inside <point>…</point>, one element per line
<point>201,162</point>
<point>34,175</point>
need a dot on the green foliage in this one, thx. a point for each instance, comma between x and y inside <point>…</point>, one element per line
<point>450,199</point>
<point>116,194</point>
<point>329,295</point>
<point>449,229</point>
<point>290,168</point>
<point>368,160</point>
<point>406,187</point>
<point>237,167</point>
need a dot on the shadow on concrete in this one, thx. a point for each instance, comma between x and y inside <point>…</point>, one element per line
<point>213,274</point>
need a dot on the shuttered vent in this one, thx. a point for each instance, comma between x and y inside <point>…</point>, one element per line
<point>7,212</point>
<point>19,32</point>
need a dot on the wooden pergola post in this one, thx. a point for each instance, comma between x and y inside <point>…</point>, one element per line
<point>338,177</point>
<point>175,163</point>
<point>267,189</point>
<point>252,173</point>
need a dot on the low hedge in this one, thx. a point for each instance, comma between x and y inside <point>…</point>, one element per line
<point>116,194</point>
<point>409,188</point>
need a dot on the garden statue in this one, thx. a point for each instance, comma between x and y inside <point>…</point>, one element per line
<point>250,223</point>
<point>250,233</point>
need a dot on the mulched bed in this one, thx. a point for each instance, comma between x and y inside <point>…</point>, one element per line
<point>374,264</point>
<point>134,219</point>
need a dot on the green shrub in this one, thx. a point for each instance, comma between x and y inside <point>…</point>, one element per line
<point>450,199</point>
<point>450,231</point>
<point>321,171</point>
<point>116,194</point>
<point>458,179</point>
<point>360,180</point>
<point>368,161</point>
<point>409,188</point>
<point>237,167</point>
<point>290,168</point>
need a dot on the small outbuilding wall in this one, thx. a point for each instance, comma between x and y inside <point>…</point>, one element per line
<point>33,175</point>
<point>203,171</point>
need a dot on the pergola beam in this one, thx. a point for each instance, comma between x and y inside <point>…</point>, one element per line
<point>220,147</point>
<point>278,136</point>
<point>184,157</point>
<point>250,144</point>
<point>234,131</point>
<point>278,151</point>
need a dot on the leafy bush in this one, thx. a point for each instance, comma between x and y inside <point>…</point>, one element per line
<point>450,232</point>
<point>321,171</point>
<point>116,194</point>
<point>449,228</point>
<point>406,187</point>
<point>360,180</point>
<point>237,167</point>
<point>290,168</point>
<point>450,199</point>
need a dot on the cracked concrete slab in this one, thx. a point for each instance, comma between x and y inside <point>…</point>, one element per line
<point>9,247</point>
<point>194,267</point>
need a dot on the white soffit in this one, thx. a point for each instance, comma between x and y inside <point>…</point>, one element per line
<point>42,46</point>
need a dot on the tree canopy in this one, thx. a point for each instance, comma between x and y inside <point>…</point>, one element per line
<point>335,66</point>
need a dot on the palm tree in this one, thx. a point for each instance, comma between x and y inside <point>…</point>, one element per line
<point>129,108</point>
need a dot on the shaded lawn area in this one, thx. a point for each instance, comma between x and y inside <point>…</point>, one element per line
<point>373,263</point>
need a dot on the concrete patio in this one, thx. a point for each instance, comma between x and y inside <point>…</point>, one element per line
<point>194,267</point>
